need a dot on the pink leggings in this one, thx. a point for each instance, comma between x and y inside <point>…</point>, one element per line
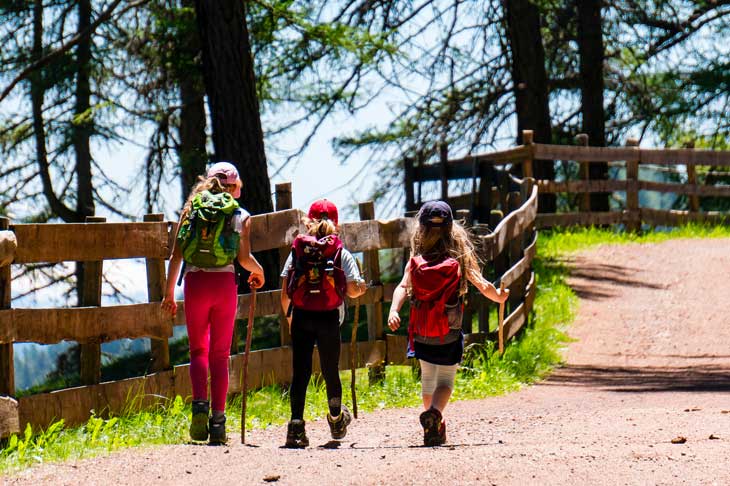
<point>210,312</point>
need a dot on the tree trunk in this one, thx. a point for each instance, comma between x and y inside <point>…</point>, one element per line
<point>37,94</point>
<point>191,151</point>
<point>530,84</point>
<point>590,48</point>
<point>231,88</point>
<point>82,124</point>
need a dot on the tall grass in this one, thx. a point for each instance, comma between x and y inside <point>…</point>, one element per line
<point>483,372</point>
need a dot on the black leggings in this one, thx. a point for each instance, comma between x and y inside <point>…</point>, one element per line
<point>308,328</point>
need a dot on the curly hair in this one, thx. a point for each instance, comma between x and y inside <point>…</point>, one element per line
<point>320,227</point>
<point>212,184</point>
<point>449,241</point>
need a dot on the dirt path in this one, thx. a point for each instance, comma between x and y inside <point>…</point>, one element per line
<point>651,363</point>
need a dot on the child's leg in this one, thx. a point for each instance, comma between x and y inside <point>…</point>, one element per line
<point>302,348</point>
<point>197,309</point>
<point>328,345</point>
<point>437,384</point>
<point>222,320</point>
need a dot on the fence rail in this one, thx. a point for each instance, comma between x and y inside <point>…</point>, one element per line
<point>511,247</point>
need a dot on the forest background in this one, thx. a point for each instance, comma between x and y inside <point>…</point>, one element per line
<point>113,107</point>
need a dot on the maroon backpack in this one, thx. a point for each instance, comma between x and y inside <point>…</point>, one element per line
<point>315,279</point>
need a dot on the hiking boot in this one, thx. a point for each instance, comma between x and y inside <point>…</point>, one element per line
<point>217,431</point>
<point>296,437</point>
<point>434,429</point>
<point>199,422</point>
<point>338,425</point>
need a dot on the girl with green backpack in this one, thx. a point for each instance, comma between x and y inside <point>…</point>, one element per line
<point>212,232</point>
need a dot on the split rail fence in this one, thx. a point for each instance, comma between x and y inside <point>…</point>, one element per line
<point>511,247</point>
<point>483,196</point>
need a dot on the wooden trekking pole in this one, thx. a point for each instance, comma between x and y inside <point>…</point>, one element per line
<point>353,349</point>
<point>244,389</point>
<point>500,321</point>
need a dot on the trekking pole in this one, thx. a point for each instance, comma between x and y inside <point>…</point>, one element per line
<point>500,316</point>
<point>244,390</point>
<point>353,349</point>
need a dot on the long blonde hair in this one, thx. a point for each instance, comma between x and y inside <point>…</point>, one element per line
<point>212,184</point>
<point>320,227</point>
<point>448,241</point>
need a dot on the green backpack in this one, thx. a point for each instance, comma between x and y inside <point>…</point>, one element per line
<point>206,236</point>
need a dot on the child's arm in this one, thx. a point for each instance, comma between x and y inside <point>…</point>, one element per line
<point>247,260</point>
<point>399,297</point>
<point>356,286</point>
<point>486,288</point>
<point>173,270</point>
<point>285,301</point>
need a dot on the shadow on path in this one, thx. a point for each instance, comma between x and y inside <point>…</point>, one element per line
<point>705,378</point>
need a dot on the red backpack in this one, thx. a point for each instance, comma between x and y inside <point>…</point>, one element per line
<point>435,305</point>
<point>315,280</point>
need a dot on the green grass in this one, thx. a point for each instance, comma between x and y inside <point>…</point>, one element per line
<point>483,372</point>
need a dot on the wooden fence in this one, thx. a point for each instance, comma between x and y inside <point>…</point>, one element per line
<point>510,249</point>
<point>484,196</point>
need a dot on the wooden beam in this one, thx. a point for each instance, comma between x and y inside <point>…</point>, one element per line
<point>8,247</point>
<point>7,367</point>
<point>89,290</point>
<point>510,227</point>
<point>90,242</point>
<point>692,189</point>
<point>372,271</point>
<point>283,203</point>
<point>84,324</point>
<point>156,281</point>
<point>661,217</point>
<point>523,266</point>
<point>685,157</point>
<point>582,154</point>
<point>552,187</point>
<point>9,419</point>
<point>632,183</point>
<point>545,220</point>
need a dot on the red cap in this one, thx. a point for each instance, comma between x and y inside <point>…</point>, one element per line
<point>323,209</point>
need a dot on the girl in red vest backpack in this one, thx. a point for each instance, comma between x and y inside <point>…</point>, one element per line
<point>317,276</point>
<point>435,279</point>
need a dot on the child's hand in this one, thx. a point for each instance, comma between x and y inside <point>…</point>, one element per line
<point>502,295</point>
<point>256,280</point>
<point>393,320</point>
<point>169,305</point>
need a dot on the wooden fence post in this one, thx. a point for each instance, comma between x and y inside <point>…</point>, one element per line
<point>517,292</point>
<point>528,141</point>
<point>584,174</point>
<point>7,367</point>
<point>694,199</point>
<point>371,264</point>
<point>284,202</point>
<point>633,223</point>
<point>156,281</point>
<point>89,288</point>
<point>444,169</point>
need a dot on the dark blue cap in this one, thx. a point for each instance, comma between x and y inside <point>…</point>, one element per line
<point>435,214</point>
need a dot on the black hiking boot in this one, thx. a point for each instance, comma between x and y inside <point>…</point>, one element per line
<point>296,437</point>
<point>199,422</point>
<point>217,431</point>
<point>434,429</point>
<point>338,425</point>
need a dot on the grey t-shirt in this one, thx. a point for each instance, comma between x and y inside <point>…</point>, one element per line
<point>349,266</point>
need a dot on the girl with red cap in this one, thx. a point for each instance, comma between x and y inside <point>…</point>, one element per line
<point>211,294</point>
<point>443,261</point>
<point>316,277</point>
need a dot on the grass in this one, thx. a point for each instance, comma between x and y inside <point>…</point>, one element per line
<point>483,372</point>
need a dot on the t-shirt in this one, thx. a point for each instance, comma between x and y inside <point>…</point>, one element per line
<point>349,267</point>
<point>237,221</point>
